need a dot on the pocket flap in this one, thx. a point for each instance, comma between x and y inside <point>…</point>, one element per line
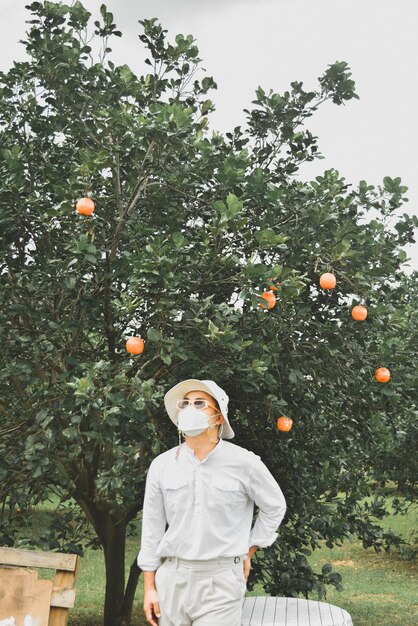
<point>226,484</point>
<point>175,481</point>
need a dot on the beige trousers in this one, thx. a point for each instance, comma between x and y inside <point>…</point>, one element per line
<point>201,593</point>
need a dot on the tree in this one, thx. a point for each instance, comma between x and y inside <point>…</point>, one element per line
<point>398,340</point>
<point>188,230</point>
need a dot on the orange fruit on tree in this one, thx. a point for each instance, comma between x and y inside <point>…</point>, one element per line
<point>359,312</point>
<point>382,374</point>
<point>85,206</point>
<point>270,298</point>
<point>135,345</point>
<point>284,423</point>
<point>327,280</point>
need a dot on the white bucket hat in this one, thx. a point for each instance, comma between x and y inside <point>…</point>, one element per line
<point>193,384</point>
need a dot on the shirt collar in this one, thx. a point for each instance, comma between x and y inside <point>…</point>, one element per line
<point>190,450</point>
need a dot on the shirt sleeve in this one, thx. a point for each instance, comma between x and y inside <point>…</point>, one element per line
<point>153,522</point>
<point>267,495</point>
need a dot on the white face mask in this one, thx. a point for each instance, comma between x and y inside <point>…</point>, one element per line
<point>193,421</point>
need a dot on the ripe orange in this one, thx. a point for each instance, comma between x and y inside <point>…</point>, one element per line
<point>85,206</point>
<point>327,280</point>
<point>382,375</point>
<point>284,423</point>
<point>270,298</point>
<point>359,312</point>
<point>135,345</point>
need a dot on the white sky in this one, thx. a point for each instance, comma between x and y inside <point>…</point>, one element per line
<point>246,43</point>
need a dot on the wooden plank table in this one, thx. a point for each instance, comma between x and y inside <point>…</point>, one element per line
<point>278,611</point>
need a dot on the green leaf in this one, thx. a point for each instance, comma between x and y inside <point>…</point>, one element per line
<point>388,183</point>
<point>265,236</point>
<point>38,471</point>
<point>234,205</point>
<point>126,73</point>
<point>154,335</point>
<point>206,106</point>
<point>220,206</point>
<point>178,239</point>
<point>257,270</point>
<point>166,358</point>
<point>70,432</point>
<point>342,247</point>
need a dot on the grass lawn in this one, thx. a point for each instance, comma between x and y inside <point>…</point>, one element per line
<point>379,589</point>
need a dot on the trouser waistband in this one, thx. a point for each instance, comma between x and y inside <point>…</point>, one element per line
<point>206,564</point>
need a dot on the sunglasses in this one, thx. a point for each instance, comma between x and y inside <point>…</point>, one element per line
<point>198,404</point>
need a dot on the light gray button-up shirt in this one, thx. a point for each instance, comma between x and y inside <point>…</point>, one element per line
<point>208,505</point>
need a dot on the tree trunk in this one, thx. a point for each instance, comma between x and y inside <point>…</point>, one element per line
<point>128,601</point>
<point>114,553</point>
<point>118,604</point>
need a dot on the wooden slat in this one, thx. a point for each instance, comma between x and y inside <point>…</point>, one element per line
<point>32,558</point>
<point>65,580</point>
<point>63,598</point>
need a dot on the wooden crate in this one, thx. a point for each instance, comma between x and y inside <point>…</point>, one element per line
<point>60,591</point>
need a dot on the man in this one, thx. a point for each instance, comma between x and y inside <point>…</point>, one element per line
<point>195,572</point>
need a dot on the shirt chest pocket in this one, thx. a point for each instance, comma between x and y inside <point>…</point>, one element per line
<point>176,492</point>
<point>225,493</point>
